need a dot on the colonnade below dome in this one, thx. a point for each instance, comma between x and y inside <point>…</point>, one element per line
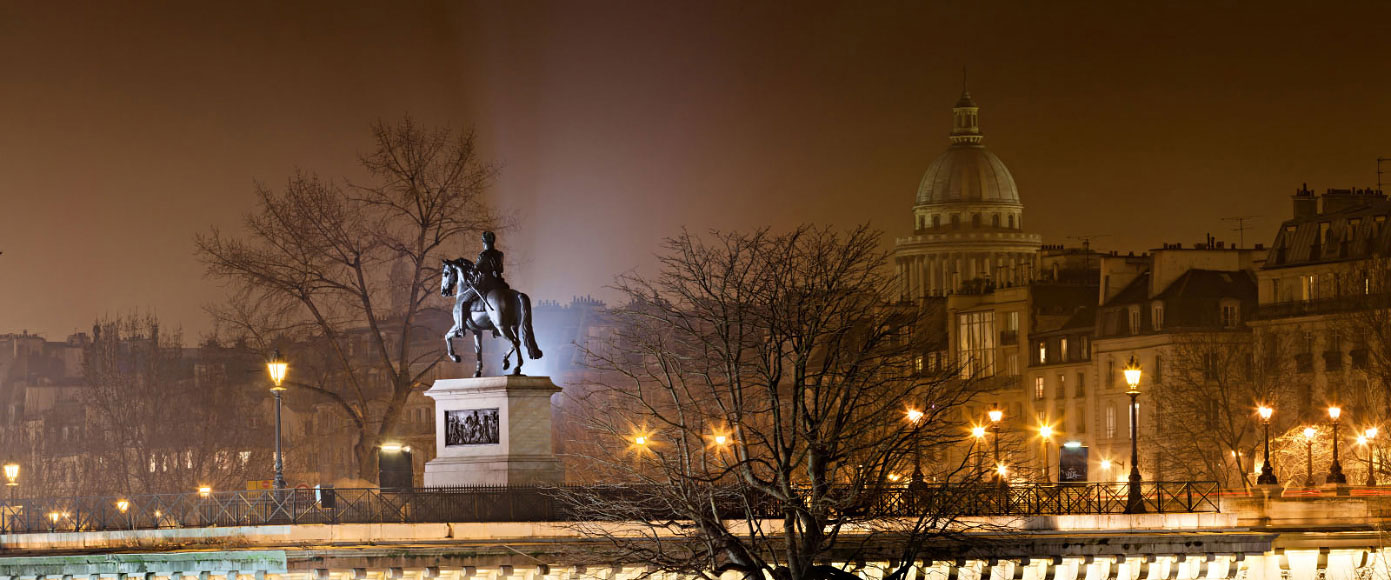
<point>957,218</point>
<point>942,273</point>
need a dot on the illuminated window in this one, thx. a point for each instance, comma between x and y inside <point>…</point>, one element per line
<point>1111,422</point>
<point>1157,315</point>
<point>976,333</point>
<point>1038,388</point>
<point>1062,348</point>
<point>1042,352</point>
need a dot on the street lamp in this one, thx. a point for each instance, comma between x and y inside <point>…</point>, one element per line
<point>915,417</point>
<point>979,433</point>
<point>1267,470</point>
<point>996,414</point>
<point>277,368</point>
<point>1335,469</point>
<point>1135,502</point>
<point>12,478</point>
<point>1367,438</point>
<point>1045,433</point>
<point>1309,433</point>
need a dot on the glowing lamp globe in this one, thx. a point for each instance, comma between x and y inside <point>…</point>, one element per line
<point>1265,412</point>
<point>1309,432</point>
<point>1132,375</point>
<point>277,368</point>
<point>1334,413</point>
<point>996,415</point>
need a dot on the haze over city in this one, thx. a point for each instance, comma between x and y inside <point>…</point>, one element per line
<point>132,126</point>
<point>717,290</point>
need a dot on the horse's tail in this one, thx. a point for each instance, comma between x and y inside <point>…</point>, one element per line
<point>528,336</point>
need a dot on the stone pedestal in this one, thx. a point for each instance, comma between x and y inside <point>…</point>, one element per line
<point>493,431</point>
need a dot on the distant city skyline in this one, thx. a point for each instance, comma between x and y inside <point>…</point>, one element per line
<point>130,127</point>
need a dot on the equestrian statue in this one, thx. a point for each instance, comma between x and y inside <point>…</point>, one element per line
<point>484,301</point>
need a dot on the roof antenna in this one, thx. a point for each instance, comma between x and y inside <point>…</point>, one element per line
<point>1240,228</point>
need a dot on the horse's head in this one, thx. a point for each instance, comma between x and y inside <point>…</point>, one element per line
<point>449,277</point>
<point>451,272</point>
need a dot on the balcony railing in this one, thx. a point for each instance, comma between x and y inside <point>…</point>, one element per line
<point>1322,306</point>
<point>507,504</point>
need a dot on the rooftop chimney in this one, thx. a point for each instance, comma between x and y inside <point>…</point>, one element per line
<point>1305,204</point>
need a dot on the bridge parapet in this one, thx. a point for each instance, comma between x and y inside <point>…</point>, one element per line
<point>566,551</point>
<point>532,503</point>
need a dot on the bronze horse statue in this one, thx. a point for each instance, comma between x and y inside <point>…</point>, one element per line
<point>503,311</point>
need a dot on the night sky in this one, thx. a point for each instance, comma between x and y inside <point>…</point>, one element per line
<point>128,127</point>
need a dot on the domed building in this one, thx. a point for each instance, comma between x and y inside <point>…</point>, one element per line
<point>968,220</point>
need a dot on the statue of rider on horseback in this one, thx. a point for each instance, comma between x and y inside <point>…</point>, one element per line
<point>484,302</point>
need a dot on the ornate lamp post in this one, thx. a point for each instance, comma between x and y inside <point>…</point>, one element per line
<point>979,433</point>
<point>277,368</point>
<point>1267,470</point>
<point>1309,433</point>
<point>1045,433</point>
<point>996,414</point>
<point>12,478</point>
<point>1135,502</point>
<point>915,417</point>
<point>1335,469</point>
<point>1368,436</point>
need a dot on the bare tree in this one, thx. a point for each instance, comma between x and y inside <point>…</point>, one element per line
<point>1363,323</point>
<point>757,394</point>
<point>160,422</point>
<point>345,269</point>
<point>1207,404</point>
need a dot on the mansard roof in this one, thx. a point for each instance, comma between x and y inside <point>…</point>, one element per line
<point>1350,233</point>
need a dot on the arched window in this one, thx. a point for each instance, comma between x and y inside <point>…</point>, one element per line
<point>936,221</point>
<point>955,220</point>
<point>995,220</point>
<point>975,220</point>
<point>1011,221</point>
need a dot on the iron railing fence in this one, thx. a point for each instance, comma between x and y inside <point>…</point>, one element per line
<point>504,504</point>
